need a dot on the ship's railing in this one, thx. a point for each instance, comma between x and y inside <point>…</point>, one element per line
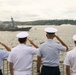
<point>6,70</point>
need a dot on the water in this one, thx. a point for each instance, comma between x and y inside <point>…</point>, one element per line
<point>37,34</point>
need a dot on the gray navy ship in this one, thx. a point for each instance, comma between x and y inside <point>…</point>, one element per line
<point>12,27</point>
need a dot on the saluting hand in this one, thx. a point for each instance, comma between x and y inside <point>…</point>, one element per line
<point>33,43</point>
<point>56,36</point>
<point>30,41</point>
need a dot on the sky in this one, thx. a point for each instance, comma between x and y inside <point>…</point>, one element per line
<point>29,10</point>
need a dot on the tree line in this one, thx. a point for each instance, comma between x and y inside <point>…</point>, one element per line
<point>44,22</point>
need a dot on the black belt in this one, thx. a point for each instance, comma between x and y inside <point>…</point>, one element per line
<point>51,66</point>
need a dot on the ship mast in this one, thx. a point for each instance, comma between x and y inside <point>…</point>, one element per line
<point>12,21</point>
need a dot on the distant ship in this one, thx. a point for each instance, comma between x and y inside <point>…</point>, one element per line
<point>12,27</point>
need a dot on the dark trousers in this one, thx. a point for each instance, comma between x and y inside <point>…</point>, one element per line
<point>46,70</point>
<point>1,72</point>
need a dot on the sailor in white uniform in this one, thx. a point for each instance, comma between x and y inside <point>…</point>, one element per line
<point>49,54</point>
<point>3,55</point>
<point>21,56</point>
<point>70,60</point>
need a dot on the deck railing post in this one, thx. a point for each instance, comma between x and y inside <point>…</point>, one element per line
<point>34,71</point>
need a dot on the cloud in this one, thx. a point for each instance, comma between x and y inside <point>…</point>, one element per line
<point>37,9</point>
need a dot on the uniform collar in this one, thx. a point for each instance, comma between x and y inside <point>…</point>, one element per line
<point>22,44</point>
<point>50,40</point>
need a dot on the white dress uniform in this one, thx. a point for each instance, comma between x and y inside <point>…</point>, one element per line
<point>3,54</point>
<point>49,51</point>
<point>22,57</point>
<point>70,59</point>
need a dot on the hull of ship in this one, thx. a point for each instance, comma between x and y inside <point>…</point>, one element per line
<point>16,29</point>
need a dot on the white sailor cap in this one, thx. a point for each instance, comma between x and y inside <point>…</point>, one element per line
<point>50,30</point>
<point>74,37</point>
<point>22,34</point>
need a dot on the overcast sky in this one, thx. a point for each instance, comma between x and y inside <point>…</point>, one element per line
<point>26,10</point>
